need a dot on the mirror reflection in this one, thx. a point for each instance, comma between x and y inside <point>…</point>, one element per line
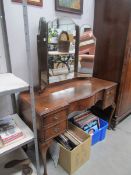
<point>87,47</point>
<point>65,51</point>
<point>61,49</point>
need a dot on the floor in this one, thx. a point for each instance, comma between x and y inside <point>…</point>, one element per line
<point>109,157</point>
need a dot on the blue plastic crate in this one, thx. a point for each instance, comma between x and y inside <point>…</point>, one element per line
<point>101,133</point>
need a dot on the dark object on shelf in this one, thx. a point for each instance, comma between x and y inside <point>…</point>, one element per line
<point>16,162</point>
<point>26,169</point>
<point>112,28</point>
<point>63,44</point>
<point>68,6</point>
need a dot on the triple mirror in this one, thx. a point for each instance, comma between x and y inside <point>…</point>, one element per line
<point>65,50</point>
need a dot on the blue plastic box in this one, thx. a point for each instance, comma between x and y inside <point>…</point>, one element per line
<point>101,133</point>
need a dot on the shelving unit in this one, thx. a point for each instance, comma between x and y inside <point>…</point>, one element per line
<point>16,170</point>
<point>28,136</point>
<point>9,85</point>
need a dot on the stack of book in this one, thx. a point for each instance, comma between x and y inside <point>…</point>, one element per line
<point>9,131</point>
<point>69,140</point>
<point>87,121</point>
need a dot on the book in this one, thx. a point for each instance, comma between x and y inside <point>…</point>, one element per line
<point>9,131</point>
<point>71,138</point>
<point>80,140</point>
<point>91,127</point>
<point>81,114</point>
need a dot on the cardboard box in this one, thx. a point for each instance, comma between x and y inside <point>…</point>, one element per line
<point>73,160</point>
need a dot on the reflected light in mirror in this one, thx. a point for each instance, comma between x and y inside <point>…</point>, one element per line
<point>86,50</point>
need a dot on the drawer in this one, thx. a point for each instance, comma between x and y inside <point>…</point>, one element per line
<point>109,97</point>
<point>53,119</point>
<point>82,104</point>
<point>54,131</point>
<point>86,103</point>
<point>99,96</point>
<point>73,107</point>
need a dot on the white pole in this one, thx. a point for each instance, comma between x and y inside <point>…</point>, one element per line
<point>29,61</point>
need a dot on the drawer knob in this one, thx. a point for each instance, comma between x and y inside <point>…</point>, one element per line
<point>56,130</point>
<point>55,118</point>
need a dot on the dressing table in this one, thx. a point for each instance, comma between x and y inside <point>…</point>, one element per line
<point>75,91</point>
<point>56,102</point>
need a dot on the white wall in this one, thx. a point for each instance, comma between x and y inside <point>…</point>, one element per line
<point>15,29</point>
<point>2,52</point>
<point>5,101</point>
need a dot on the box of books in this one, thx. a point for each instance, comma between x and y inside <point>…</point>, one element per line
<point>75,147</point>
<point>91,124</point>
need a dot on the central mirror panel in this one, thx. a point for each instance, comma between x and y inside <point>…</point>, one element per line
<point>65,51</point>
<point>63,39</point>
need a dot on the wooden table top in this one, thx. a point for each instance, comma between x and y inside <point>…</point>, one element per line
<point>58,96</point>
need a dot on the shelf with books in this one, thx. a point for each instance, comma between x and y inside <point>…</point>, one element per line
<point>17,168</point>
<point>10,84</point>
<point>27,137</point>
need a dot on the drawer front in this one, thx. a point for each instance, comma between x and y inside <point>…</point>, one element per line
<point>109,97</point>
<point>82,104</point>
<point>53,119</point>
<point>73,107</point>
<point>54,131</point>
<point>99,96</point>
<point>86,103</point>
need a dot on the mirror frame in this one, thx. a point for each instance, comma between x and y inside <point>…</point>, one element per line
<point>42,49</point>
